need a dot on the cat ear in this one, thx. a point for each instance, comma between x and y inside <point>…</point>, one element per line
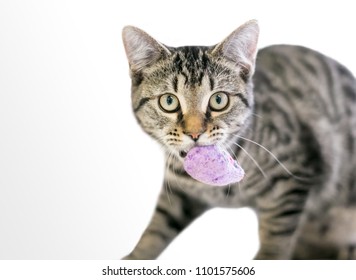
<point>141,49</point>
<point>240,46</point>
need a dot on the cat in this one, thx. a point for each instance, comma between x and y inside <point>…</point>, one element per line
<point>286,113</point>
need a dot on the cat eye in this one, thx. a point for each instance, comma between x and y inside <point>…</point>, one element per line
<point>169,103</point>
<point>218,101</point>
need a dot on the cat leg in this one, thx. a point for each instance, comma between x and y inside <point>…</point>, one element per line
<point>278,233</point>
<point>175,211</point>
<point>276,245</point>
<point>329,234</point>
<point>347,252</point>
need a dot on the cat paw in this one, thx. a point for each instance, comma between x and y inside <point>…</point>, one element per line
<point>128,257</point>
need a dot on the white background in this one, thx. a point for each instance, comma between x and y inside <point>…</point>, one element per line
<point>78,177</point>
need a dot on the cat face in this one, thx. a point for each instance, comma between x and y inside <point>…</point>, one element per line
<point>191,96</point>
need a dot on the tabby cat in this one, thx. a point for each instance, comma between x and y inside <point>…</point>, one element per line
<point>286,113</point>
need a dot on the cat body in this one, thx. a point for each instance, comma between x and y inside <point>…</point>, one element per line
<point>287,114</point>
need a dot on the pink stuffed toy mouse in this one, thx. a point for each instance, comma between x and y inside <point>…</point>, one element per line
<point>213,166</point>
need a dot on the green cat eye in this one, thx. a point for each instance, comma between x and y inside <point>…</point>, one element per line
<point>219,101</point>
<point>169,103</point>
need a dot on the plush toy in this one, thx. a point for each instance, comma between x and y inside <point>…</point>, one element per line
<point>212,165</point>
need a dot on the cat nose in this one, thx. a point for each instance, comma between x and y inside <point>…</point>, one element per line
<point>194,125</point>
<point>194,136</point>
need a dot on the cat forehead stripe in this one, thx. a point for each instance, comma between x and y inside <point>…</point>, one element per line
<point>192,62</point>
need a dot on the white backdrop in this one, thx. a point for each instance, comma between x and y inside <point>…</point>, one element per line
<point>78,177</point>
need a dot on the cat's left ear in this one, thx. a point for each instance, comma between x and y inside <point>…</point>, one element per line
<point>240,47</point>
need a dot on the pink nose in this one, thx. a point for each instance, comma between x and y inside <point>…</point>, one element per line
<point>194,136</point>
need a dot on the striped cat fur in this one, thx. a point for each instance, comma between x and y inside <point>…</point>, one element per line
<point>290,121</point>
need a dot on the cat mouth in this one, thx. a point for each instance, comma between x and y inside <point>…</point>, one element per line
<point>183,154</point>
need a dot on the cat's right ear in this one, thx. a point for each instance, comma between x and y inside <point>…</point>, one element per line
<point>141,49</point>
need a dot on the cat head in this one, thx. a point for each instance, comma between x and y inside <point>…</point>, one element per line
<point>189,96</point>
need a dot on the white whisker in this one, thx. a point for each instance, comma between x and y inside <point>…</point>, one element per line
<point>254,161</point>
<point>167,193</point>
<point>272,155</point>
<point>167,185</point>
<point>257,115</point>
<point>170,161</point>
<point>227,147</point>
<point>228,191</point>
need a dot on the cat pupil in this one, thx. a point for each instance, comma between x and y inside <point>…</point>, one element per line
<point>169,100</point>
<point>218,99</point>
